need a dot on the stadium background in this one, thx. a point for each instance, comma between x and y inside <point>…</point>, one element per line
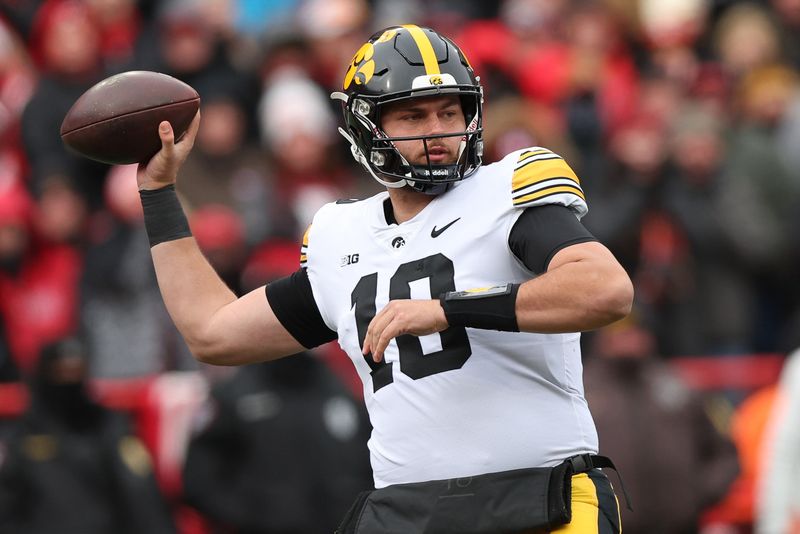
<point>681,117</point>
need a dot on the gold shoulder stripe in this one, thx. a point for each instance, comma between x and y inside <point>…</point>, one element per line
<point>533,152</point>
<point>425,49</point>
<point>571,189</point>
<point>533,159</point>
<point>304,247</point>
<point>542,170</point>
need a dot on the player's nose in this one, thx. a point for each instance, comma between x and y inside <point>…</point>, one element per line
<point>436,125</point>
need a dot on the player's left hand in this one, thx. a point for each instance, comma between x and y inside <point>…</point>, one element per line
<point>405,316</point>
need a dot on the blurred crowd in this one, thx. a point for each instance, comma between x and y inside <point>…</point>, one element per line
<point>681,118</point>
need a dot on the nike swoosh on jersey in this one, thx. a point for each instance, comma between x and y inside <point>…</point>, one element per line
<point>437,232</point>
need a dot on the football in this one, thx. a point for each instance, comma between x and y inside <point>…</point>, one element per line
<point>116,120</point>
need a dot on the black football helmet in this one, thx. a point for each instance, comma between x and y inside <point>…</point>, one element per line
<point>404,62</point>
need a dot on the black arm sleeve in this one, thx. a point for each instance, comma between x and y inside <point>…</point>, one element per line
<point>293,303</point>
<point>542,231</point>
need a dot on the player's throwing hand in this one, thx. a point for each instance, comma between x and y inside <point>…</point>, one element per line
<point>162,169</point>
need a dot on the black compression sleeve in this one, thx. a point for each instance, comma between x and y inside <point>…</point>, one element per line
<point>293,303</point>
<point>542,231</point>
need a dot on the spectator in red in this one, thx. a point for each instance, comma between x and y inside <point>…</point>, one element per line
<point>119,24</point>
<point>590,63</point>
<point>65,44</point>
<point>17,82</point>
<point>38,281</point>
<point>219,232</point>
<point>125,323</point>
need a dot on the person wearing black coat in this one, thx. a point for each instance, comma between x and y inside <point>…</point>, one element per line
<point>281,448</point>
<point>72,466</point>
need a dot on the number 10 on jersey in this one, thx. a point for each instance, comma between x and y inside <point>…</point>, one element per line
<point>456,350</point>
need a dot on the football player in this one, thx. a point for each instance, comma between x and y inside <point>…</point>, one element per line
<point>459,293</point>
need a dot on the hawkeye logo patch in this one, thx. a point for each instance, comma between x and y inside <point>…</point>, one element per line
<point>362,67</point>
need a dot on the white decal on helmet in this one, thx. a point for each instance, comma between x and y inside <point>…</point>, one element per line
<point>433,80</point>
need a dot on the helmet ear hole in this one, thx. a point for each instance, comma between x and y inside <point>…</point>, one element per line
<point>362,107</point>
<point>377,158</point>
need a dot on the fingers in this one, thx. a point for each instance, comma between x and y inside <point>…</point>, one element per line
<point>186,140</point>
<point>167,136</point>
<point>399,317</point>
<point>386,326</point>
<point>191,132</point>
<point>374,330</point>
<point>162,168</point>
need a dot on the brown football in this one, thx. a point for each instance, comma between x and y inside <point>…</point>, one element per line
<point>116,121</point>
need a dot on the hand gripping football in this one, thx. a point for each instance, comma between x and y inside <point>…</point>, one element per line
<point>116,121</point>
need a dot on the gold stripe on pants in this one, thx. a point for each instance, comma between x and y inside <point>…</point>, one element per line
<point>595,509</point>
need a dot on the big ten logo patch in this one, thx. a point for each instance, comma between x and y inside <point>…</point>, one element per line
<point>348,259</point>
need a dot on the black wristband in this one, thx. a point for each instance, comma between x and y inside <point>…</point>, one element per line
<point>163,215</point>
<point>490,308</point>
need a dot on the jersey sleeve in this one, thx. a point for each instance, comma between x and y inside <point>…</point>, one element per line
<point>541,177</point>
<point>540,232</point>
<point>292,301</point>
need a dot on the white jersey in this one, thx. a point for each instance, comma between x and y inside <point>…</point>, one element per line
<point>464,401</point>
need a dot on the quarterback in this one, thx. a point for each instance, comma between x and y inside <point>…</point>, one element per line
<point>459,293</point>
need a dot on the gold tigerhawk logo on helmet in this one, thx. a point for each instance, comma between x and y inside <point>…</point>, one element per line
<point>362,67</point>
<point>386,36</point>
<point>436,80</point>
